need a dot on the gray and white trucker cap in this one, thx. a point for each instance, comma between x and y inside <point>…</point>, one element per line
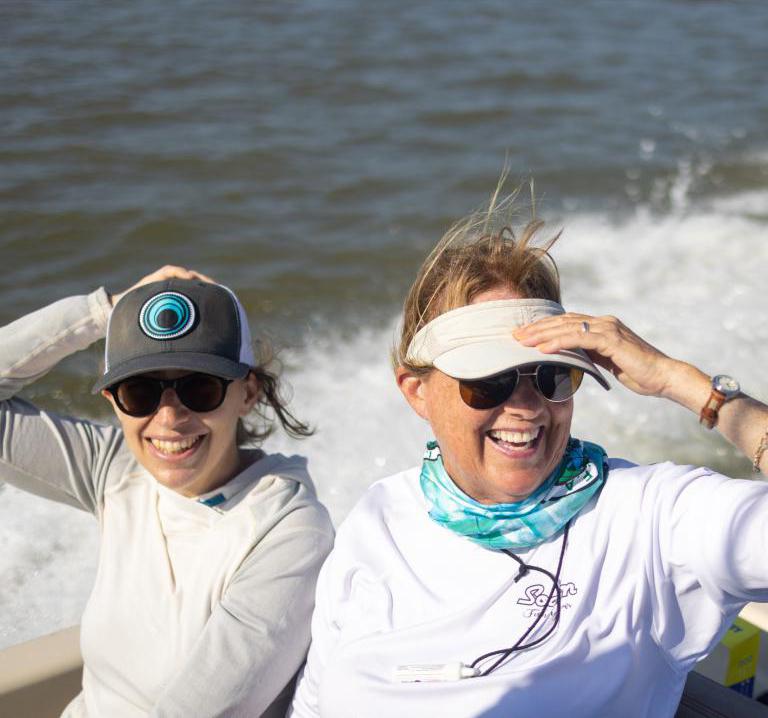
<point>177,324</point>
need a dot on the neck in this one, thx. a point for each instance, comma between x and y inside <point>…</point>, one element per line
<point>230,466</point>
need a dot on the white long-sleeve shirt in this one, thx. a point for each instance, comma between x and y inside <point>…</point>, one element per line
<point>655,569</point>
<point>196,611</point>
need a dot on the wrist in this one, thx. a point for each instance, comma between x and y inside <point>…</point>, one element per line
<point>687,385</point>
<point>100,304</point>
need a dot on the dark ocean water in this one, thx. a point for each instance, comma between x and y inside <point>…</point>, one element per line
<point>308,154</point>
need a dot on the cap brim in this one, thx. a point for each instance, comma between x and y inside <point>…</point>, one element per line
<point>184,361</point>
<point>481,360</point>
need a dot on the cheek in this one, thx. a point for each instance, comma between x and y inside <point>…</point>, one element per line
<point>131,430</point>
<point>463,429</point>
<point>222,424</point>
<point>457,428</point>
<point>562,416</point>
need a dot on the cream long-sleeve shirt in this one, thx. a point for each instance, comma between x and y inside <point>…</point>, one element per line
<point>196,611</point>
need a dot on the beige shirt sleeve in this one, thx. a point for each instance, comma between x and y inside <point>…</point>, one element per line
<point>59,457</point>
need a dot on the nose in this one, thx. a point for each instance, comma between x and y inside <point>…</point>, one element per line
<point>525,399</point>
<point>170,410</point>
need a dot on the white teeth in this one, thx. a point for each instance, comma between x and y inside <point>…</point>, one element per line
<point>174,447</point>
<point>515,437</point>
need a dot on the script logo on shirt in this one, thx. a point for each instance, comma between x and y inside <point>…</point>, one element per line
<point>536,595</point>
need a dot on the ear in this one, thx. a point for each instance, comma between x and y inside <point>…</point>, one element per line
<point>252,393</point>
<point>414,389</point>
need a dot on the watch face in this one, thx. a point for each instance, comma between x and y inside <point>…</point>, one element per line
<point>725,384</point>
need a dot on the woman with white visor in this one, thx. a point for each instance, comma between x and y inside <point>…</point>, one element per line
<point>210,547</point>
<point>519,570</point>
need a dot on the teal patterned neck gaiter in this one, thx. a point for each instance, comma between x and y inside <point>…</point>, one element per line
<point>524,524</point>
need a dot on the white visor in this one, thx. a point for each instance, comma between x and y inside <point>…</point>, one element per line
<point>476,342</point>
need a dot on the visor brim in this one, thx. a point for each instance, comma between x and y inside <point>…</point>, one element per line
<point>481,360</point>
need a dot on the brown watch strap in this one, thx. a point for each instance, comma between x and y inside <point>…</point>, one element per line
<point>709,413</point>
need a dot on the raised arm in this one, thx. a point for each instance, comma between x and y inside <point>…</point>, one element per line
<point>645,370</point>
<point>58,457</point>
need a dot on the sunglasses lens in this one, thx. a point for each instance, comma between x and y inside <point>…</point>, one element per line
<point>201,392</point>
<point>487,393</point>
<point>558,383</point>
<point>138,396</point>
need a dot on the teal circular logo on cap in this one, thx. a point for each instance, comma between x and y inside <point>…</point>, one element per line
<point>167,315</point>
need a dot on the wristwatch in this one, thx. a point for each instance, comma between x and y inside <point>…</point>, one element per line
<point>724,388</point>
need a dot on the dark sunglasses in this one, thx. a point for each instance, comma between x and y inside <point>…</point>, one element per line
<point>554,382</point>
<point>140,395</point>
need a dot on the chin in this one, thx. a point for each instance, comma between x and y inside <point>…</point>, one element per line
<point>520,488</point>
<point>176,481</point>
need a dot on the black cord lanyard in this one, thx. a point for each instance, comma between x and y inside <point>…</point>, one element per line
<point>504,653</point>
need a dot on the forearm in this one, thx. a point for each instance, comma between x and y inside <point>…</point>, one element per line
<point>32,345</point>
<point>236,669</point>
<point>58,457</point>
<point>257,638</point>
<point>743,420</point>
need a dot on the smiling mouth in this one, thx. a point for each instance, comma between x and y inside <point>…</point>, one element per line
<point>176,447</point>
<point>516,440</point>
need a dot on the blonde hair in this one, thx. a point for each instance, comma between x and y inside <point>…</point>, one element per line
<point>479,253</point>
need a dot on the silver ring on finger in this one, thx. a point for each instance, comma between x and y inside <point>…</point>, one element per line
<point>585,327</point>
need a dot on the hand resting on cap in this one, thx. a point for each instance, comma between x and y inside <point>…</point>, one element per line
<point>169,271</point>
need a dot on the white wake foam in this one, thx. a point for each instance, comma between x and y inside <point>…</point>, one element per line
<point>693,284</point>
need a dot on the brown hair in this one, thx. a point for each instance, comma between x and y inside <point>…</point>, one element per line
<point>272,405</point>
<point>478,253</point>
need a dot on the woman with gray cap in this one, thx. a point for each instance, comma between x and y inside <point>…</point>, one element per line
<point>519,570</point>
<point>209,548</point>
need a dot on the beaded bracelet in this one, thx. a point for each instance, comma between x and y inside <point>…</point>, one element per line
<point>760,451</point>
